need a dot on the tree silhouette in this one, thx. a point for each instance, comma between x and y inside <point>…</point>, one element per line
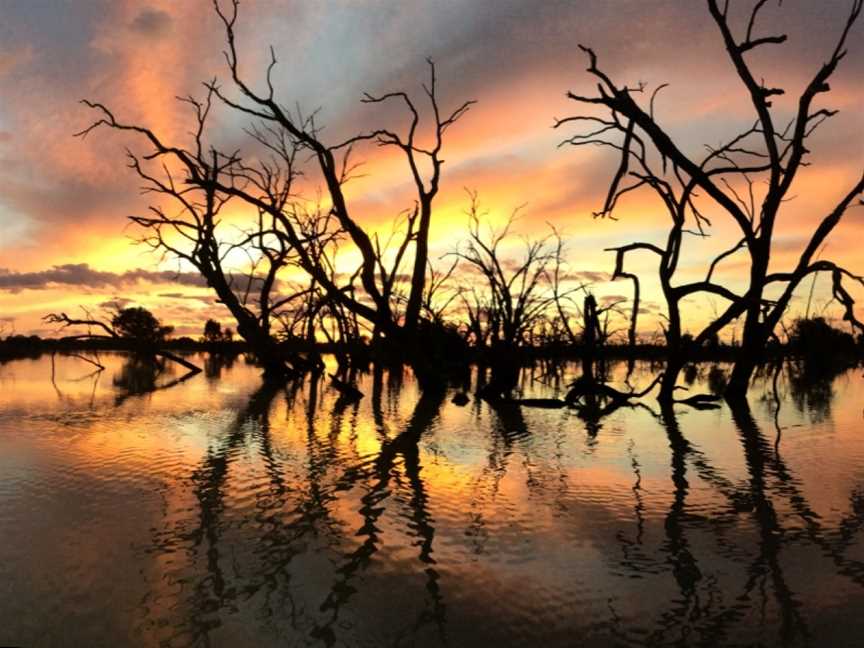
<point>289,231</point>
<point>729,176</point>
<point>518,294</point>
<point>136,326</point>
<point>140,325</point>
<point>212,331</point>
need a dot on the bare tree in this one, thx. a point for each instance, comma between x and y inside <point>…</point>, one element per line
<point>766,151</point>
<point>263,106</point>
<point>481,318</point>
<point>439,293</point>
<point>264,184</point>
<point>185,223</point>
<point>566,307</point>
<point>518,292</point>
<point>135,326</point>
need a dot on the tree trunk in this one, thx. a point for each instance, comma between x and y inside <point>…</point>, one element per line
<point>589,339</point>
<point>418,276</point>
<point>754,336</point>
<point>753,343</point>
<point>265,348</point>
<point>504,365</point>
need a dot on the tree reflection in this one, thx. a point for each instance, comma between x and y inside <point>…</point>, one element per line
<point>382,471</point>
<point>315,545</point>
<point>689,609</point>
<point>142,374</point>
<point>705,613</point>
<point>812,390</point>
<point>216,363</point>
<point>290,516</point>
<point>759,457</point>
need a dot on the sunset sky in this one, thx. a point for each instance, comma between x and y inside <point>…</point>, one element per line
<point>64,238</point>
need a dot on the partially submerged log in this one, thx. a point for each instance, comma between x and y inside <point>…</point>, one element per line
<point>140,347</point>
<point>193,369</point>
<point>701,401</point>
<point>583,388</point>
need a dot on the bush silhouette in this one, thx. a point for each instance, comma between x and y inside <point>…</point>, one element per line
<point>140,325</point>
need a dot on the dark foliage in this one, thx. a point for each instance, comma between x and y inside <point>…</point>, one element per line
<point>140,325</point>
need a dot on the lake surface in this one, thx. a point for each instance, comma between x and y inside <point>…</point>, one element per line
<point>218,513</point>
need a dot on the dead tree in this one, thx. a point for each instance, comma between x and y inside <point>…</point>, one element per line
<point>566,307</point>
<point>261,181</point>
<point>620,273</point>
<point>518,293</point>
<point>148,345</point>
<point>331,163</point>
<point>185,224</point>
<point>591,336</point>
<point>480,324</point>
<point>785,150</point>
<point>726,176</point>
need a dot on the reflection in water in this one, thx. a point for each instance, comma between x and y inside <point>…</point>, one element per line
<point>768,566</point>
<point>143,374</point>
<point>812,389</point>
<point>214,363</point>
<point>221,511</point>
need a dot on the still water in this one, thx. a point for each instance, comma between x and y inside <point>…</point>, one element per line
<point>220,513</point>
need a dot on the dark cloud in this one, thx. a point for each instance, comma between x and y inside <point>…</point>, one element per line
<point>151,22</point>
<point>67,199</point>
<point>81,274</point>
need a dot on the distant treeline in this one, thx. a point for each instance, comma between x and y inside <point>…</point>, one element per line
<point>808,338</point>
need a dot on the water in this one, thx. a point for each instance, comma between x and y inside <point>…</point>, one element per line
<point>218,513</point>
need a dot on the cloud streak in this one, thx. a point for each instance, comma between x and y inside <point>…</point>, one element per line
<point>83,276</point>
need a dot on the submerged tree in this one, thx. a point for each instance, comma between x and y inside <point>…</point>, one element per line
<point>728,176</point>
<point>516,294</point>
<point>135,326</point>
<point>289,231</point>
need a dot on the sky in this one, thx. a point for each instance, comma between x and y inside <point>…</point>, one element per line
<point>65,240</point>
